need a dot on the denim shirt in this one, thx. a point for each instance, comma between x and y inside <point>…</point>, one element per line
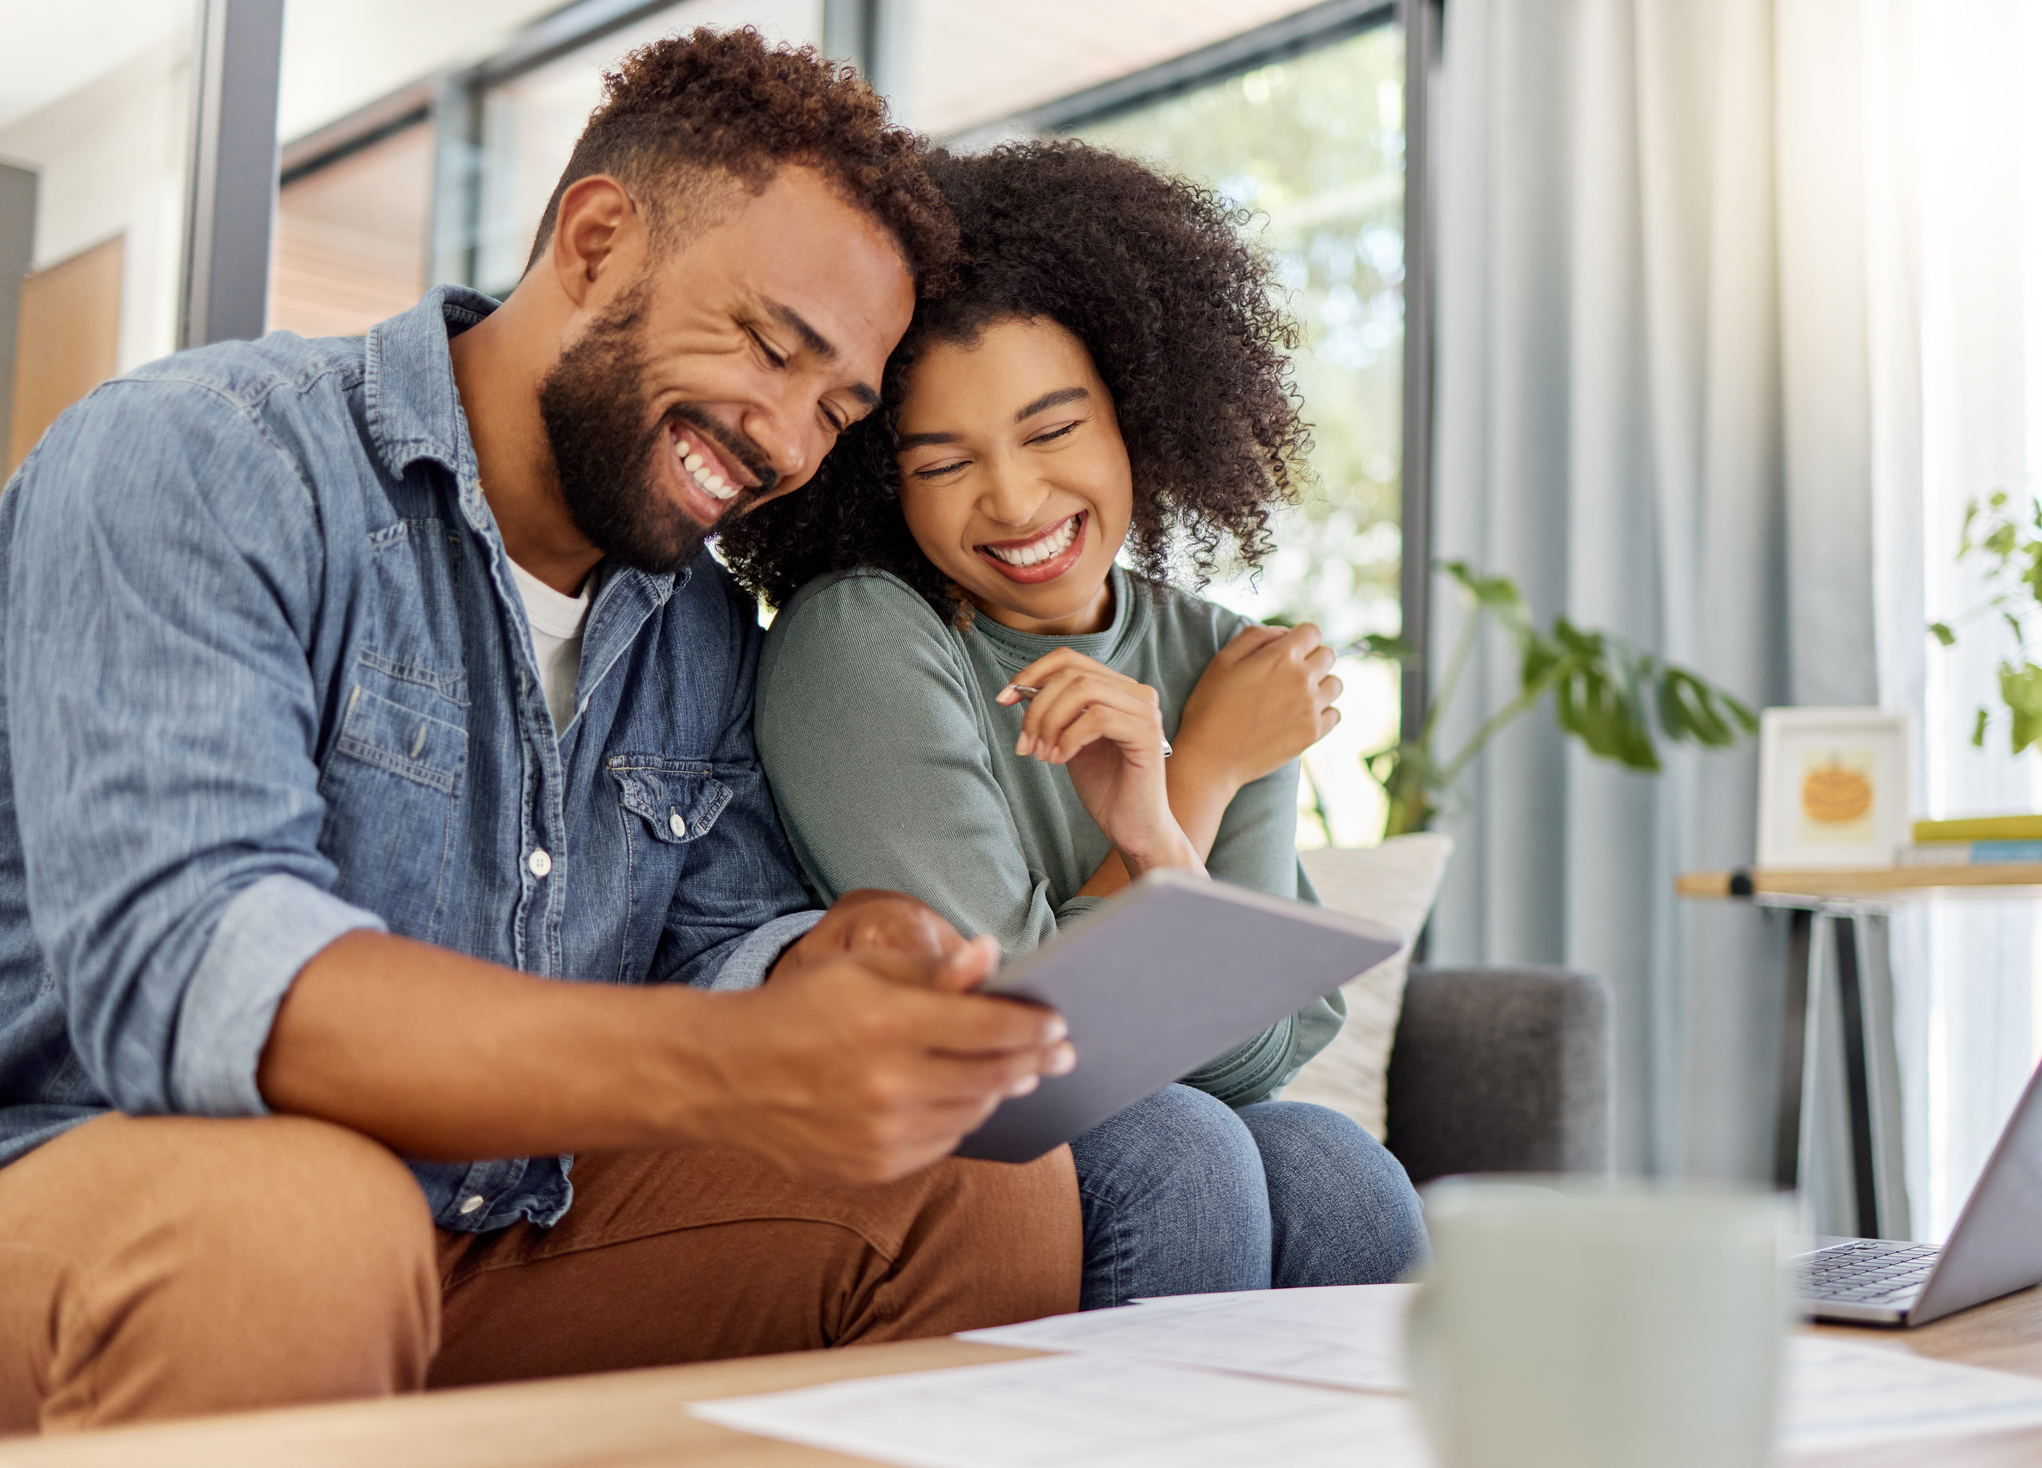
<point>265,679</point>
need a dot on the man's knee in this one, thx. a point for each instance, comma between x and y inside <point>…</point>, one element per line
<point>188,1265</point>
<point>992,1243</point>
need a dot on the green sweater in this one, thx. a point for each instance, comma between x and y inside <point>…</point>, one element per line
<point>893,768</point>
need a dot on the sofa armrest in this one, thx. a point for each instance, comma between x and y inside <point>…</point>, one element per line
<point>1501,1070</point>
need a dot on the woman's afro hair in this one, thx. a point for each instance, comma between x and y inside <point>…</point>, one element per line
<point>1181,319</point>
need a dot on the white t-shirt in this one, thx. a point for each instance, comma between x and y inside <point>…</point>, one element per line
<point>556,621</point>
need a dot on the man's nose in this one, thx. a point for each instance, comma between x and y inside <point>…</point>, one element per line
<point>777,432</point>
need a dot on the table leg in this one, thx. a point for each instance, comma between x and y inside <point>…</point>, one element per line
<point>1793,1050</point>
<point>1857,1084</point>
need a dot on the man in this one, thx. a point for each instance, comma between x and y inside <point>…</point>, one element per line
<point>353,695</point>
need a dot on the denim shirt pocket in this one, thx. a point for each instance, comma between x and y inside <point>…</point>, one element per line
<point>391,782</point>
<point>678,800</point>
<point>664,804</point>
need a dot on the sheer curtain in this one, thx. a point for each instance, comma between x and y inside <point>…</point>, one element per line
<point>1734,314</point>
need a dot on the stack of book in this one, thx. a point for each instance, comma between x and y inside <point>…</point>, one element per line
<point>1977,841</point>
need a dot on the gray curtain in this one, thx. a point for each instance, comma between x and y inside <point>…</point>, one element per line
<point>1658,377</point>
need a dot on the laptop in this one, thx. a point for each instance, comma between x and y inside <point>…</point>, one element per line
<point>1995,1249</point>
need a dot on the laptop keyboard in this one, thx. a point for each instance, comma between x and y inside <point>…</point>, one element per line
<point>1868,1272</point>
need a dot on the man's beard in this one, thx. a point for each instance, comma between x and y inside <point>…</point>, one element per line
<point>595,407</point>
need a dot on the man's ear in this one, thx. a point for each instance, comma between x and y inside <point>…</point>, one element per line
<point>595,218</point>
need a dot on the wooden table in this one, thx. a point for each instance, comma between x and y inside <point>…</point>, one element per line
<point>1855,904</point>
<point>635,1419</point>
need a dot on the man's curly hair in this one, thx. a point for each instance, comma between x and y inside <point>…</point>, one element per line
<point>1182,322</point>
<point>682,110</point>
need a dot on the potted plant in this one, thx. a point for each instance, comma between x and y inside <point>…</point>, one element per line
<point>2011,554</point>
<point>1608,692</point>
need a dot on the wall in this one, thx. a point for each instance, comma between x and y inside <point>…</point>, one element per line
<point>111,161</point>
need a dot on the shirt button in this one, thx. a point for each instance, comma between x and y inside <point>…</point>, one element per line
<point>675,824</point>
<point>539,861</point>
<point>471,1204</point>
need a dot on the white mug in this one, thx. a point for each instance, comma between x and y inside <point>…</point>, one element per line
<point>1599,1325</point>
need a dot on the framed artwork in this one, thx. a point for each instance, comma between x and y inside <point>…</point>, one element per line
<point>1833,787</point>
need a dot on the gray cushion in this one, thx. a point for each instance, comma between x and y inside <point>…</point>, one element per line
<point>1501,1070</point>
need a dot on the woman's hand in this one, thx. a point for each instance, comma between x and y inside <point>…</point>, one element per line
<point>1263,700</point>
<point>1107,730</point>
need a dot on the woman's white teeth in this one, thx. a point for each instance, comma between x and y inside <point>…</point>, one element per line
<point>712,483</point>
<point>1036,551</point>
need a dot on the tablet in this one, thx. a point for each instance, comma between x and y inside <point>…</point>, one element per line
<point>1174,972</point>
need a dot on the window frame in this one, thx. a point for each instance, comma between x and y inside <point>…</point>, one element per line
<point>866,33</point>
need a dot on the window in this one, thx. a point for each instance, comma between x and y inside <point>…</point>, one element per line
<point>351,238</point>
<point>1314,144</point>
<point>530,121</point>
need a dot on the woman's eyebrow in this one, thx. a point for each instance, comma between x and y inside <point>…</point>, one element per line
<point>1052,400</point>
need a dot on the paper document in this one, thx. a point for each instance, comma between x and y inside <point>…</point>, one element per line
<point>1840,1394</point>
<point>1339,1335</point>
<point>1085,1412</point>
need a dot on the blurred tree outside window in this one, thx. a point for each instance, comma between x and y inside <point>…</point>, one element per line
<point>1314,145</point>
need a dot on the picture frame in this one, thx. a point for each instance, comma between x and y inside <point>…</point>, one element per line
<point>1834,788</point>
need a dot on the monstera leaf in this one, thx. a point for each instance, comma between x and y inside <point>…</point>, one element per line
<point>1610,694</point>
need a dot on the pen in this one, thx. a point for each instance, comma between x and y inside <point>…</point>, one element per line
<point>1027,693</point>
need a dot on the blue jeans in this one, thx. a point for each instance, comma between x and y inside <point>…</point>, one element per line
<point>1183,1195</point>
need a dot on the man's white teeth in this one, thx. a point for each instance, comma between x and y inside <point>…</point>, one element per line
<point>1037,551</point>
<point>712,483</point>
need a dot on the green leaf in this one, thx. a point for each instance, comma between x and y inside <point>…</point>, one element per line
<point>1278,619</point>
<point>1997,499</point>
<point>1496,592</point>
<point>2021,688</point>
<point>1942,633</point>
<point>1978,730</point>
<point>1376,645</point>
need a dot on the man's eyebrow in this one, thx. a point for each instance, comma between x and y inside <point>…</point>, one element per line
<point>820,345</point>
<point>1052,400</point>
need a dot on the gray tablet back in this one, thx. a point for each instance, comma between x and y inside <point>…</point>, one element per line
<point>1173,973</point>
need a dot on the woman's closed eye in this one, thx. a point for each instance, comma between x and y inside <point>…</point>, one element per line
<point>1050,435</point>
<point>940,471</point>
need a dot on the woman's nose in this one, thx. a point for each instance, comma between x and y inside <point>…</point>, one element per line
<point>1012,495</point>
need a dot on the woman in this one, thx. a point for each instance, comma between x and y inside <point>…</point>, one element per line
<point>964,697</point>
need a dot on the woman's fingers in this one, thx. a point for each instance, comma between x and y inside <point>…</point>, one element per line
<point>1057,710</point>
<point>1329,690</point>
<point>1063,693</point>
<point>1249,640</point>
<point>1319,661</point>
<point>1039,673</point>
<point>1135,733</point>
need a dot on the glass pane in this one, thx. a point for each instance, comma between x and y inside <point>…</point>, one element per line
<point>93,153</point>
<point>968,64</point>
<point>351,238</point>
<point>1315,145</point>
<point>530,124</point>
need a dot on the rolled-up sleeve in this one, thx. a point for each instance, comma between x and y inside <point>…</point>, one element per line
<point>162,571</point>
<point>264,936</point>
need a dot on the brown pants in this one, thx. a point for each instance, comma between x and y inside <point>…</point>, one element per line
<point>164,1266</point>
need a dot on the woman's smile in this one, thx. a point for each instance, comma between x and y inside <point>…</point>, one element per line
<point>1041,557</point>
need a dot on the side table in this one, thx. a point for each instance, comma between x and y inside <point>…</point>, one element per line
<point>1846,900</point>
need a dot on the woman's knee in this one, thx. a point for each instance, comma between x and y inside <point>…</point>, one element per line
<point>1341,1205</point>
<point>1177,1138</point>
